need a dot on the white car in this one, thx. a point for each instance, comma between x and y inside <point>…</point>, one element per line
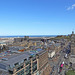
<point>63,62</point>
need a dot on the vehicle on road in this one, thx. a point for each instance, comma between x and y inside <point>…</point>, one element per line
<point>61,66</point>
<point>66,56</point>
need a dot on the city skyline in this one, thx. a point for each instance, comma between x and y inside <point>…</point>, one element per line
<point>35,17</point>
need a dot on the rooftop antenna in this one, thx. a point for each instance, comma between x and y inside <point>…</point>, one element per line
<point>73,31</point>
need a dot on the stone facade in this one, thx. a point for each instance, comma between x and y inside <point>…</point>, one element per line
<point>72,56</point>
<point>43,65</point>
<point>73,44</point>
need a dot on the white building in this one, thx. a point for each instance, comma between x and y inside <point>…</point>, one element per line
<point>51,53</point>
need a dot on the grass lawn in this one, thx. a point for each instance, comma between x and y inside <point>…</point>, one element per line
<point>66,66</point>
<point>70,72</point>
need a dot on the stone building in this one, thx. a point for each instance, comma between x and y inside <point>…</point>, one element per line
<point>19,39</point>
<point>73,44</point>
<point>72,56</point>
<point>43,65</point>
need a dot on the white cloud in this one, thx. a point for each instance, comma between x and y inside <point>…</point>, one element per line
<point>71,7</point>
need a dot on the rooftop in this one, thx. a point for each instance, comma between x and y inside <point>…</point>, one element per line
<point>57,44</point>
<point>18,57</point>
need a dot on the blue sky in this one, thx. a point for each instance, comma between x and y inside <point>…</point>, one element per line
<point>37,17</point>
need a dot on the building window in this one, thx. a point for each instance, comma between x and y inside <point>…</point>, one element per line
<point>28,70</point>
<point>27,62</point>
<point>34,67</point>
<point>10,72</point>
<point>34,59</point>
<point>16,64</point>
<point>22,66</point>
<point>25,59</point>
<point>21,72</point>
<point>18,68</point>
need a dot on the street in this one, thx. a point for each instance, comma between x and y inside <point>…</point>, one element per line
<point>60,59</point>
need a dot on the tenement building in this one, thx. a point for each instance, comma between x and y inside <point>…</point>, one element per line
<point>72,56</point>
<point>26,63</point>
<point>43,66</point>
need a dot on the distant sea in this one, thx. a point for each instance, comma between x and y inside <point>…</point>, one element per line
<point>29,36</point>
